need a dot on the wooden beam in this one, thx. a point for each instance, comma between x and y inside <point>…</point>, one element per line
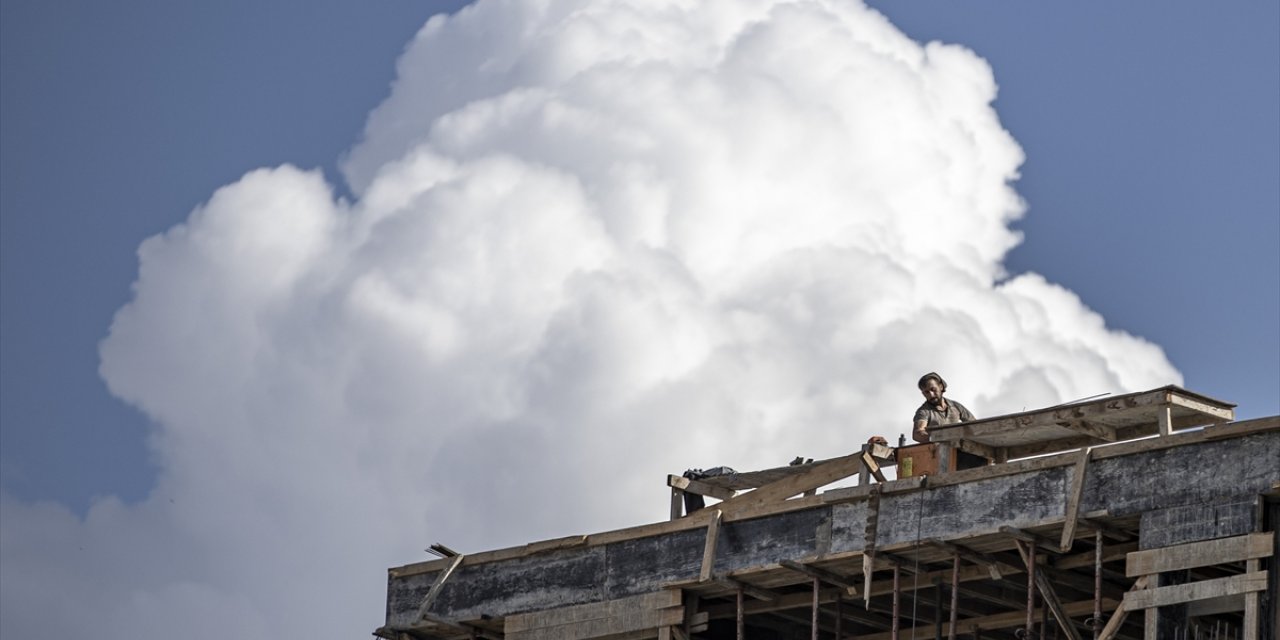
<point>437,585</point>
<point>824,575</point>
<point>996,621</point>
<point>759,593</point>
<point>1201,590</point>
<point>699,487</point>
<point>709,550</point>
<point>567,542</point>
<point>1164,417</point>
<point>1122,611</point>
<point>1219,414</point>
<point>991,564</point>
<point>643,613</point>
<point>1115,533</point>
<point>1072,510</point>
<point>1110,554</point>
<point>1251,605</point>
<point>1199,554</point>
<point>1045,587</point>
<point>1101,432</point>
<point>872,466</point>
<point>821,474</point>
<point>977,449</point>
<point>1030,538</point>
<point>970,573</point>
<point>472,630</point>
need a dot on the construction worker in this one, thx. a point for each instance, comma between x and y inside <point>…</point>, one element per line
<point>938,410</point>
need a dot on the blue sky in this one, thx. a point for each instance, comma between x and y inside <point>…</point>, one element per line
<point>1151,130</point>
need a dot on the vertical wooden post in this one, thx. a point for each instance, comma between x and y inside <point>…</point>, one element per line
<point>677,503</point>
<point>1165,415</point>
<point>709,550</point>
<point>1251,606</point>
<point>742,631</point>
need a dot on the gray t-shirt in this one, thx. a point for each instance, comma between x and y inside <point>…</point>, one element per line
<point>955,412</point>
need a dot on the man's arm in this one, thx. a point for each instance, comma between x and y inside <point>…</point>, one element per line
<point>920,432</point>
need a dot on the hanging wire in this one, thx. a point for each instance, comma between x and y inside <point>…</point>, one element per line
<point>915,571</point>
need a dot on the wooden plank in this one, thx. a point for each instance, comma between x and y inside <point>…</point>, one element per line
<point>639,608</point>
<point>734,584</point>
<point>824,575</point>
<point>976,449</point>
<point>1052,446</point>
<point>1202,590</point>
<point>1025,422</point>
<point>1199,554</point>
<point>1122,611</point>
<point>871,466</point>
<point>998,621</point>
<point>1216,414</point>
<point>1164,418</point>
<point>1073,500</point>
<point>1050,595</point>
<point>817,476</point>
<point>1217,606</point>
<point>1251,606</point>
<point>677,503</point>
<point>567,542</point>
<point>699,487</point>
<point>639,624</point>
<point>1112,553</point>
<point>472,630</point>
<point>1105,433</point>
<point>709,549</point>
<point>437,585</point>
<point>991,564</point>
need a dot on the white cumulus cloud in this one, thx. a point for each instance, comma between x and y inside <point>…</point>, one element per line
<point>591,243</point>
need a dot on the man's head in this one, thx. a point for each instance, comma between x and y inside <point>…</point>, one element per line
<point>932,386</point>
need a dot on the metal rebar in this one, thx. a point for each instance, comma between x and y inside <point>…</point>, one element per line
<point>742,631</point>
<point>955,595</point>
<point>1031,590</point>
<point>839,615</point>
<point>897,600</point>
<point>1044,621</point>
<point>814,624</point>
<point>1097,584</point>
<point>937,609</point>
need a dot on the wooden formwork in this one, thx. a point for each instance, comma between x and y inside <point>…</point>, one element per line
<point>1067,545</point>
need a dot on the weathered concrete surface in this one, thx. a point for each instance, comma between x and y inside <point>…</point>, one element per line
<point>1153,484</point>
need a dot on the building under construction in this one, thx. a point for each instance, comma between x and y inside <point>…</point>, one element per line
<point>1144,516</point>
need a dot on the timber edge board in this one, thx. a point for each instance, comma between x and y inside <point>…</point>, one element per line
<point>701,518</point>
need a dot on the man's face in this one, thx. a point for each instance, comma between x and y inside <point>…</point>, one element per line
<point>932,392</point>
